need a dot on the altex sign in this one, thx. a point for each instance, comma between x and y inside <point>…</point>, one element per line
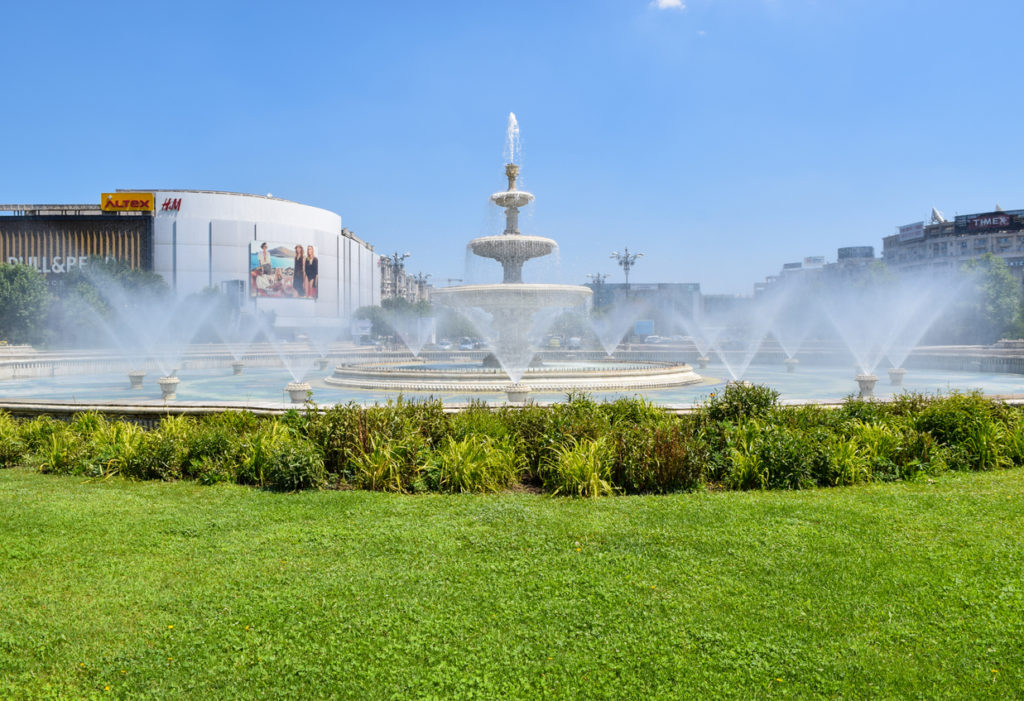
<point>127,202</point>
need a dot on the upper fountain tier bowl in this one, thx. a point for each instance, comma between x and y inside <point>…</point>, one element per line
<point>512,198</point>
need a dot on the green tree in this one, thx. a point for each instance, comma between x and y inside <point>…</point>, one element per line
<point>95,294</point>
<point>24,300</point>
<point>990,306</point>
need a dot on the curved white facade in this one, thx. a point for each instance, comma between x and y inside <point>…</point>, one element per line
<point>201,239</point>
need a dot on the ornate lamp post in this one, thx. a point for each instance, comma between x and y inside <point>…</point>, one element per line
<point>626,260</point>
<point>397,266</point>
<point>421,285</point>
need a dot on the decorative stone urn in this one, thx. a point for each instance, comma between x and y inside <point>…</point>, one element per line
<point>867,385</point>
<point>298,391</point>
<point>322,363</point>
<point>236,367</point>
<point>702,362</point>
<point>517,393</point>
<point>791,364</point>
<point>169,387</point>
<point>135,378</point>
<point>896,376</point>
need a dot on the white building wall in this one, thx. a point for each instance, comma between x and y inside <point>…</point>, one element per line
<point>205,242</point>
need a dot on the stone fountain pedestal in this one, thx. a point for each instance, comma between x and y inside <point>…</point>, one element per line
<point>896,376</point>
<point>516,393</point>
<point>236,367</point>
<point>135,378</point>
<point>322,363</point>
<point>791,364</point>
<point>702,362</point>
<point>169,387</point>
<point>867,385</point>
<point>298,391</point>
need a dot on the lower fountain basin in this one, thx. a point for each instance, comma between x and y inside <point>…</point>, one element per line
<point>554,377</point>
<point>512,296</point>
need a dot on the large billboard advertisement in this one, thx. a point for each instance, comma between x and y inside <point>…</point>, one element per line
<point>989,221</point>
<point>283,270</point>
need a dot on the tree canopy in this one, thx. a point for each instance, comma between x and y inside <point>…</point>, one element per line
<point>24,301</point>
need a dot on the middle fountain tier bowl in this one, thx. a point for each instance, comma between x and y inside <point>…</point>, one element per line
<point>512,296</point>
<point>512,250</point>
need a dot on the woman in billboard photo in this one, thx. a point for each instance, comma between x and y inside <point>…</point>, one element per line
<point>299,276</point>
<point>312,272</point>
<point>263,259</point>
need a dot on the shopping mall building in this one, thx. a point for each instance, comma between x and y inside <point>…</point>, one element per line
<point>246,245</point>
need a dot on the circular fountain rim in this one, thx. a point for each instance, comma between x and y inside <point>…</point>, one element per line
<point>384,376</point>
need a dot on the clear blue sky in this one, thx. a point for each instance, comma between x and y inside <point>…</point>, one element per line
<point>721,139</point>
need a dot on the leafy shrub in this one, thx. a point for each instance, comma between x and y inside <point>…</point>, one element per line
<point>36,433</point>
<point>388,466</point>
<point>293,465</point>
<point>347,434</point>
<point>60,452</point>
<point>952,418</point>
<point>741,400</point>
<point>475,463</point>
<point>580,468</point>
<point>861,409</point>
<point>661,454</point>
<point>543,432</point>
<point>478,420</point>
<point>767,456</point>
<point>120,448</point>
<point>273,457</point>
<point>984,446</point>
<point>531,427</point>
<point>1014,439</point>
<point>845,461</point>
<point>896,450</point>
<point>166,450</point>
<point>12,445</point>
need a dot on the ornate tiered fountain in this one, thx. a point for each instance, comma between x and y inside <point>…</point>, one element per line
<point>511,305</point>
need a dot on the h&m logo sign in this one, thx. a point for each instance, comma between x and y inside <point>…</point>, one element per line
<point>171,204</point>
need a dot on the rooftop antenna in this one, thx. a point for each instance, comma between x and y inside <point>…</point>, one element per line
<point>938,217</point>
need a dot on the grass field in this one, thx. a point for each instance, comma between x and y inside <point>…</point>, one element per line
<point>123,589</point>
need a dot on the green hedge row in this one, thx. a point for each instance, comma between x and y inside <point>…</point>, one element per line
<point>739,439</point>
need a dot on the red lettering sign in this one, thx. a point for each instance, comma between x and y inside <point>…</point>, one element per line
<point>171,205</point>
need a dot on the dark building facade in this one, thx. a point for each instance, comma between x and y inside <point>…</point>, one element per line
<point>56,241</point>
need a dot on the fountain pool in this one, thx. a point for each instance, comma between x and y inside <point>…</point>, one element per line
<point>262,387</point>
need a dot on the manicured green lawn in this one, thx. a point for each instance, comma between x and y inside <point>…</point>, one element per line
<point>165,590</point>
